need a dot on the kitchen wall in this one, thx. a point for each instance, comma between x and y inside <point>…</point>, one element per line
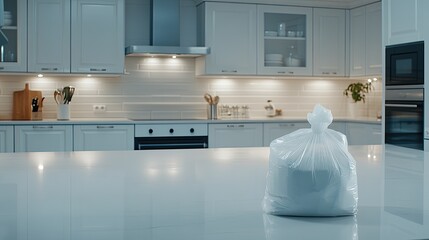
<point>166,88</point>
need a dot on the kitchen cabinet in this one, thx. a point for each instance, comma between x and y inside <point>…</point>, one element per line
<point>284,40</point>
<point>97,36</point>
<point>329,42</point>
<point>13,44</point>
<point>365,33</point>
<point>404,21</point>
<point>6,139</point>
<point>49,36</point>
<point>235,135</point>
<point>373,41</point>
<point>275,130</point>
<point>43,138</point>
<point>229,30</point>
<point>103,137</point>
<point>363,133</point>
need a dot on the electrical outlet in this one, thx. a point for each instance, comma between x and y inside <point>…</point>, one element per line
<point>99,108</point>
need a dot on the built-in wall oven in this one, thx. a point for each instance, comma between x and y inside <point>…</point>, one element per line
<point>404,117</point>
<point>404,95</point>
<point>170,136</point>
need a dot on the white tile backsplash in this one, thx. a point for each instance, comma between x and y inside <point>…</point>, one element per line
<point>165,88</point>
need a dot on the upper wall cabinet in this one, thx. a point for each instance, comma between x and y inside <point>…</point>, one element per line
<point>96,30</point>
<point>401,21</point>
<point>97,36</point>
<point>285,40</point>
<point>13,37</point>
<point>230,32</point>
<point>49,36</point>
<point>365,33</point>
<point>329,42</point>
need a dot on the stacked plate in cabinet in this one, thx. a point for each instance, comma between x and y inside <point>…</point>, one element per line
<point>273,60</point>
<point>7,18</point>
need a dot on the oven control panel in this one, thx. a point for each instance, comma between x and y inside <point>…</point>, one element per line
<point>165,130</point>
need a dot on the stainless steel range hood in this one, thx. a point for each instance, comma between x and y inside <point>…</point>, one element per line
<point>165,33</point>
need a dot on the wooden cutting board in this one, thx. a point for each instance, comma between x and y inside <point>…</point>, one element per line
<point>22,103</point>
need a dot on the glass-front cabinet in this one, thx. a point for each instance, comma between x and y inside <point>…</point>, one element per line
<point>285,40</point>
<point>13,36</point>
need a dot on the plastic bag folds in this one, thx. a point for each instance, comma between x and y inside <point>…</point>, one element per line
<point>311,172</point>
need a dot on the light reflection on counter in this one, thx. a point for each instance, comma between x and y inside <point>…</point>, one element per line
<point>198,194</point>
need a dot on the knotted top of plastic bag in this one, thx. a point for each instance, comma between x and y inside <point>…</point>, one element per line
<point>319,119</point>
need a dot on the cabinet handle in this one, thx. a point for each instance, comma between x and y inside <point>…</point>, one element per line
<point>326,73</point>
<point>290,72</point>
<point>101,127</point>
<point>233,125</point>
<point>281,72</point>
<point>42,127</point>
<point>335,73</point>
<point>97,69</point>
<point>231,71</point>
<point>49,69</point>
<point>375,66</point>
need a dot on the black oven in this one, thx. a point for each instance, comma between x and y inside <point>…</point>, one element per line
<point>170,135</point>
<point>404,117</point>
<point>405,64</point>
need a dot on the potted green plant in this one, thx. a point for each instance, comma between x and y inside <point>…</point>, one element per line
<point>357,91</point>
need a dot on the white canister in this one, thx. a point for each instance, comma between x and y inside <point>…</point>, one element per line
<point>282,30</point>
<point>63,111</point>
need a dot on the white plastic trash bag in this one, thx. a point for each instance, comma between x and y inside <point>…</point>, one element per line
<point>311,172</point>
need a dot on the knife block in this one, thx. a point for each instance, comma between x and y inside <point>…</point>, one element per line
<point>21,109</point>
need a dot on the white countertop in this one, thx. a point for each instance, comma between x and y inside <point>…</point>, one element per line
<point>170,121</point>
<point>198,194</point>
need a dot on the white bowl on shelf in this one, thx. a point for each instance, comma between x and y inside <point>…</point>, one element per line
<point>273,64</point>
<point>273,57</point>
<point>292,62</point>
<point>7,21</point>
<point>270,33</point>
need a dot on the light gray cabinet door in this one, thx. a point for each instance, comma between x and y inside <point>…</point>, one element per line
<point>275,130</point>
<point>49,36</point>
<point>373,40</point>
<point>363,134</point>
<point>295,43</point>
<point>103,137</point>
<point>404,21</point>
<point>230,32</point>
<point>365,40</point>
<point>357,41</point>
<point>13,52</point>
<point>235,135</point>
<point>329,42</point>
<point>43,138</point>
<point>6,139</point>
<point>97,36</point>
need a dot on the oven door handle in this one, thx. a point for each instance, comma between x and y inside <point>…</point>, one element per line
<point>142,146</point>
<point>401,105</point>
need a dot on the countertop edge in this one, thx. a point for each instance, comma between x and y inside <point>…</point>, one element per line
<point>124,121</point>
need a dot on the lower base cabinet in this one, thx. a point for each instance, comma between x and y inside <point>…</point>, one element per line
<point>43,138</point>
<point>364,134</point>
<point>235,135</point>
<point>6,139</point>
<point>103,137</point>
<point>275,130</point>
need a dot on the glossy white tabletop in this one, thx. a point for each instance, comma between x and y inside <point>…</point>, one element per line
<point>198,194</point>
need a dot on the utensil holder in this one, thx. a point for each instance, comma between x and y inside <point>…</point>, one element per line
<point>37,115</point>
<point>212,111</point>
<point>63,111</point>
